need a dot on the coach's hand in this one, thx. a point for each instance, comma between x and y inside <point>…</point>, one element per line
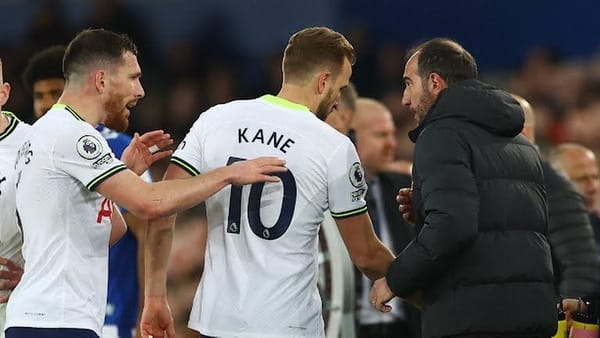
<point>404,199</point>
<point>157,321</point>
<point>10,276</point>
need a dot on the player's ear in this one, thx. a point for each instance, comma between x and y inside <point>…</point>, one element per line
<point>4,93</point>
<point>322,80</point>
<point>100,81</point>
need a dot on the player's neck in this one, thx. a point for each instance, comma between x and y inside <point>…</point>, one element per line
<point>88,108</point>
<point>298,95</point>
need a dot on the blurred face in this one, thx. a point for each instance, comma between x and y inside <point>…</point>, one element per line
<point>582,169</point>
<point>417,97</point>
<point>124,90</point>
<point>335,86</point>
<point>45,93</point>
<point>340,118</point>
<point>375,140</point>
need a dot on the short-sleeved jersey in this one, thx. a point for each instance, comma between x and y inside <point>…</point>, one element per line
<point>10,235</point>
<point>66,224</point>
<point>260,272</point>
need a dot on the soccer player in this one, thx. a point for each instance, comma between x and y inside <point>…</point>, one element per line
<point>12,134</point>
<point>43,77</point>
<point>259,276</point>
<point>67,177</point>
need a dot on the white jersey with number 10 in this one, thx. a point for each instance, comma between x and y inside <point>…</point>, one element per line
<point>260,272</point>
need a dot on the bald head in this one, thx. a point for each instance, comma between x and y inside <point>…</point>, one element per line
<point>375,135</point>
<point>580,165</point>
<point>529,125</point>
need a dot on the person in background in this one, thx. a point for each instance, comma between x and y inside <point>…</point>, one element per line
<point>375,142</point>
<point>574,253</point>
<point>581,166</point>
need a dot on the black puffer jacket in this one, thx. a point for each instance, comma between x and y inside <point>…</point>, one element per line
<point>481,258</point>
<point>574,253</point>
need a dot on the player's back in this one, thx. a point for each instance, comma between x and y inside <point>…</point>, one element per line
<point>260,264</point>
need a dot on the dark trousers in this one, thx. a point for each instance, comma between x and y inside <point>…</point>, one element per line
<point>398,329</point>
<point>31,332</point>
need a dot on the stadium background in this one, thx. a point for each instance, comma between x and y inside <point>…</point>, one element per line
<point>197,53</point>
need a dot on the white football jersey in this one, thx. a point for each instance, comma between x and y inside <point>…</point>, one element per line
<point>260,270</point>
<point>10,235</point>
<point>66,224</point>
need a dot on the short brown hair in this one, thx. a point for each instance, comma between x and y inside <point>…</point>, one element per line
<point>92,46</point>
<point>313,47</point>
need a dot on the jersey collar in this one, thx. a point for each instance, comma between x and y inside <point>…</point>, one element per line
<point>278,101</point>
<point>12,124</point>
<point>69,109</point>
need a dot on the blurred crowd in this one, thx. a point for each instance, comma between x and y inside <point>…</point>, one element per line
<point>208,68</point>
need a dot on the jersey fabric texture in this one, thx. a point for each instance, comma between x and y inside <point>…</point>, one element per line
<point>123,290</point>
<point>10,235</point>
<point>66,224</point>
<point>260,273</point>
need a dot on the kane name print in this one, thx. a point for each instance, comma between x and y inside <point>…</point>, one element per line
<point>277,141</point>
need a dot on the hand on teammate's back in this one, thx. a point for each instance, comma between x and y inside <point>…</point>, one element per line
<point>256,170</point>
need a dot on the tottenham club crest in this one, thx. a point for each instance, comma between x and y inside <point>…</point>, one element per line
<point>356,175</point>
<point>89,147</point>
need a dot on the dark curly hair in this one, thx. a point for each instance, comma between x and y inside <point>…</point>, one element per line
<point>47,64</point>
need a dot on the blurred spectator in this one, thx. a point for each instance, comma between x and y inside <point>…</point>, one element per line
<point>341,117</point>
<point>581,166</point>
<point>574,253</point>
<point>375,143</point>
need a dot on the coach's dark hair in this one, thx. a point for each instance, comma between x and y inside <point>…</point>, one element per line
<point>447,58</point>
<point>93,46</point>
<point>44,65</point>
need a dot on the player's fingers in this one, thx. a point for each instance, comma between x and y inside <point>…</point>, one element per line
<point>171,331</point>
<point>273,169</point>
<point>9,264</point>
<point>269,178</point>
<point>266,161</point>
<point>150,135</point>
<point>4,298</point>
<point>160,155</point>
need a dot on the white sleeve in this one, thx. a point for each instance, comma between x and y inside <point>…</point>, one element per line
<point>188,154</point>
<point>346,183</point>
<point>84,154</point>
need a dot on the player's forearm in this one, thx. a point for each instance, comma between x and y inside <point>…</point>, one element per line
<point>169,197</point>
<point>157,248</point>
<point>377,262</point>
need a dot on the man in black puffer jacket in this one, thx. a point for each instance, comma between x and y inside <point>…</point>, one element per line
<point>481,261</point>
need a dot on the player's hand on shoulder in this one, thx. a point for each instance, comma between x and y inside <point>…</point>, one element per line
<point>146,149</point>
<point>256,170</point>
